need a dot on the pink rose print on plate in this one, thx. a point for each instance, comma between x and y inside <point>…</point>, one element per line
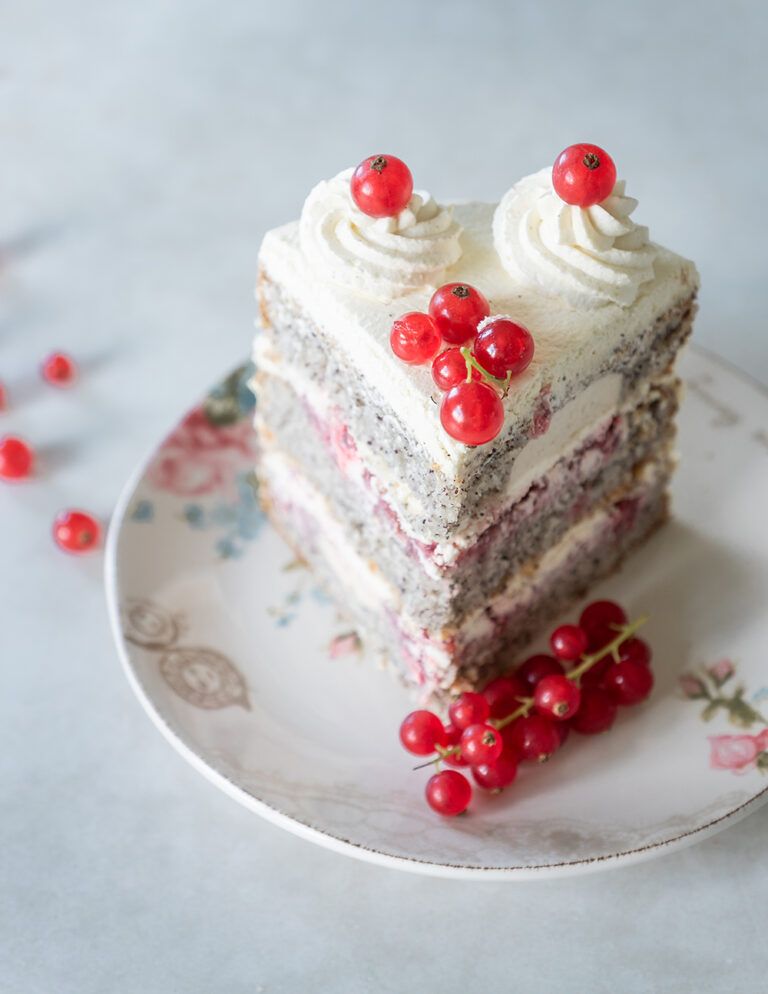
<point>733,752</point>
<point>201,458</point>
<point>721,671</point>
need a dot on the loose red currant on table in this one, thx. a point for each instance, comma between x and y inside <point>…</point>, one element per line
<point>481,743</point>
<point>597,712</point>
<point>448,792</point>
<point>583,175</point>
<point>450,368</point>
<point>602,621</point>
<point>496,776</point>
<point>568,643</point>
<point>503,347</point>
<point>59,369</point>
<point>533,737</point>
<point>468,709</point>
<point>472,413</point>
<point>422,732</point>
<point>381,186</point>
<point>535,668</point>
<point>76,531</point>
<point>557,697</point>
<point>628,682</point>
<point>457,310</point>
<point>414,338</point>
<point>502,695</point>
<point>16,458</point>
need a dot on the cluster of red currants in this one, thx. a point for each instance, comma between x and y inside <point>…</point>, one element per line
<point>594,668</point>
<point>73,531</point>
<point>474,377</point>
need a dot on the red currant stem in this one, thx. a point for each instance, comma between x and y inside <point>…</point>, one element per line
<point>435,760</point>
<point>525,707</point>
<point>626,632</point>
<point>472,363</point>
<point>526,703</point>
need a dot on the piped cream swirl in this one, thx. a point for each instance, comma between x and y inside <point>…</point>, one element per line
<point>588,255</point>
<point>378,257</point>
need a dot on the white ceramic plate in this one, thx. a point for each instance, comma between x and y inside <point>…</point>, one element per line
<point>251,675</point>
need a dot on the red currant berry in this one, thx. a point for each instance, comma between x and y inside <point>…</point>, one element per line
<point>557,697</point>
<point>414,338</point>
<point>583,175</point>
<point>381,186</point>
<point>453,735</point>
<point>496,776</point>
<point>449,368</point>
<point>16,458</point>
<point>534,738</point>
<point>448,792</point>
<point>76,531</point>
<point>472,413</point>
<point>629,682</point>
<point>593,677</point>
<point>59,369</point>
<point>535,668</point>
<point>635,650</point>
<point>458,309</point>
<point>563,730</point>
<point>597,712</point>
<point>502,695</point>
<point>3,398</point>
<point>480,744</point>
<point>468,709</point>
<point>601,620</point>
<point>503,347</point>
<point>422,732</point>
<point>568,643</point>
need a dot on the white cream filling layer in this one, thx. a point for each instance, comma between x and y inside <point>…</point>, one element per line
<point>580,418</point>
<point>369,587</point>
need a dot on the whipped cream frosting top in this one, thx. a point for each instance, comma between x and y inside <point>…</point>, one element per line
<point>382,257</point>
<point>590,256</point>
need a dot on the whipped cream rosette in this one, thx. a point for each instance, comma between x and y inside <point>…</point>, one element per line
<point>382,257</point>
<point>588,256</point>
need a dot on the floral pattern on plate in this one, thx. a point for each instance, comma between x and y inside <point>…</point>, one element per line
<point>210,457</point>
<point>738,753</point>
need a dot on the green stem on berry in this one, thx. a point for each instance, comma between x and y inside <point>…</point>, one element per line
<point>525,706</point>
<point>627,631</point>
<point>526,703</point>
<point>472,363</point>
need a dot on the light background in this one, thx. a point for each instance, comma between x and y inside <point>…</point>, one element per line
<point>144,149</point>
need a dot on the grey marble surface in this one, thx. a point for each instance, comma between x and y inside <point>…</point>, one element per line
<point>145,148</point>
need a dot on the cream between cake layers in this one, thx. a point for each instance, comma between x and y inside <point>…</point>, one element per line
<point>448,557</point>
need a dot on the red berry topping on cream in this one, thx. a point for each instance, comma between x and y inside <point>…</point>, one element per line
<point>583,175</point>
<point>414,338</point>
<point>472,413</point>
<point>503,347</point>
<point>450,368</point>
<point>381,186</point>
<point>458,309</point>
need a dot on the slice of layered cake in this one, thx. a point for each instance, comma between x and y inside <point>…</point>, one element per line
<point>466,413</point>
